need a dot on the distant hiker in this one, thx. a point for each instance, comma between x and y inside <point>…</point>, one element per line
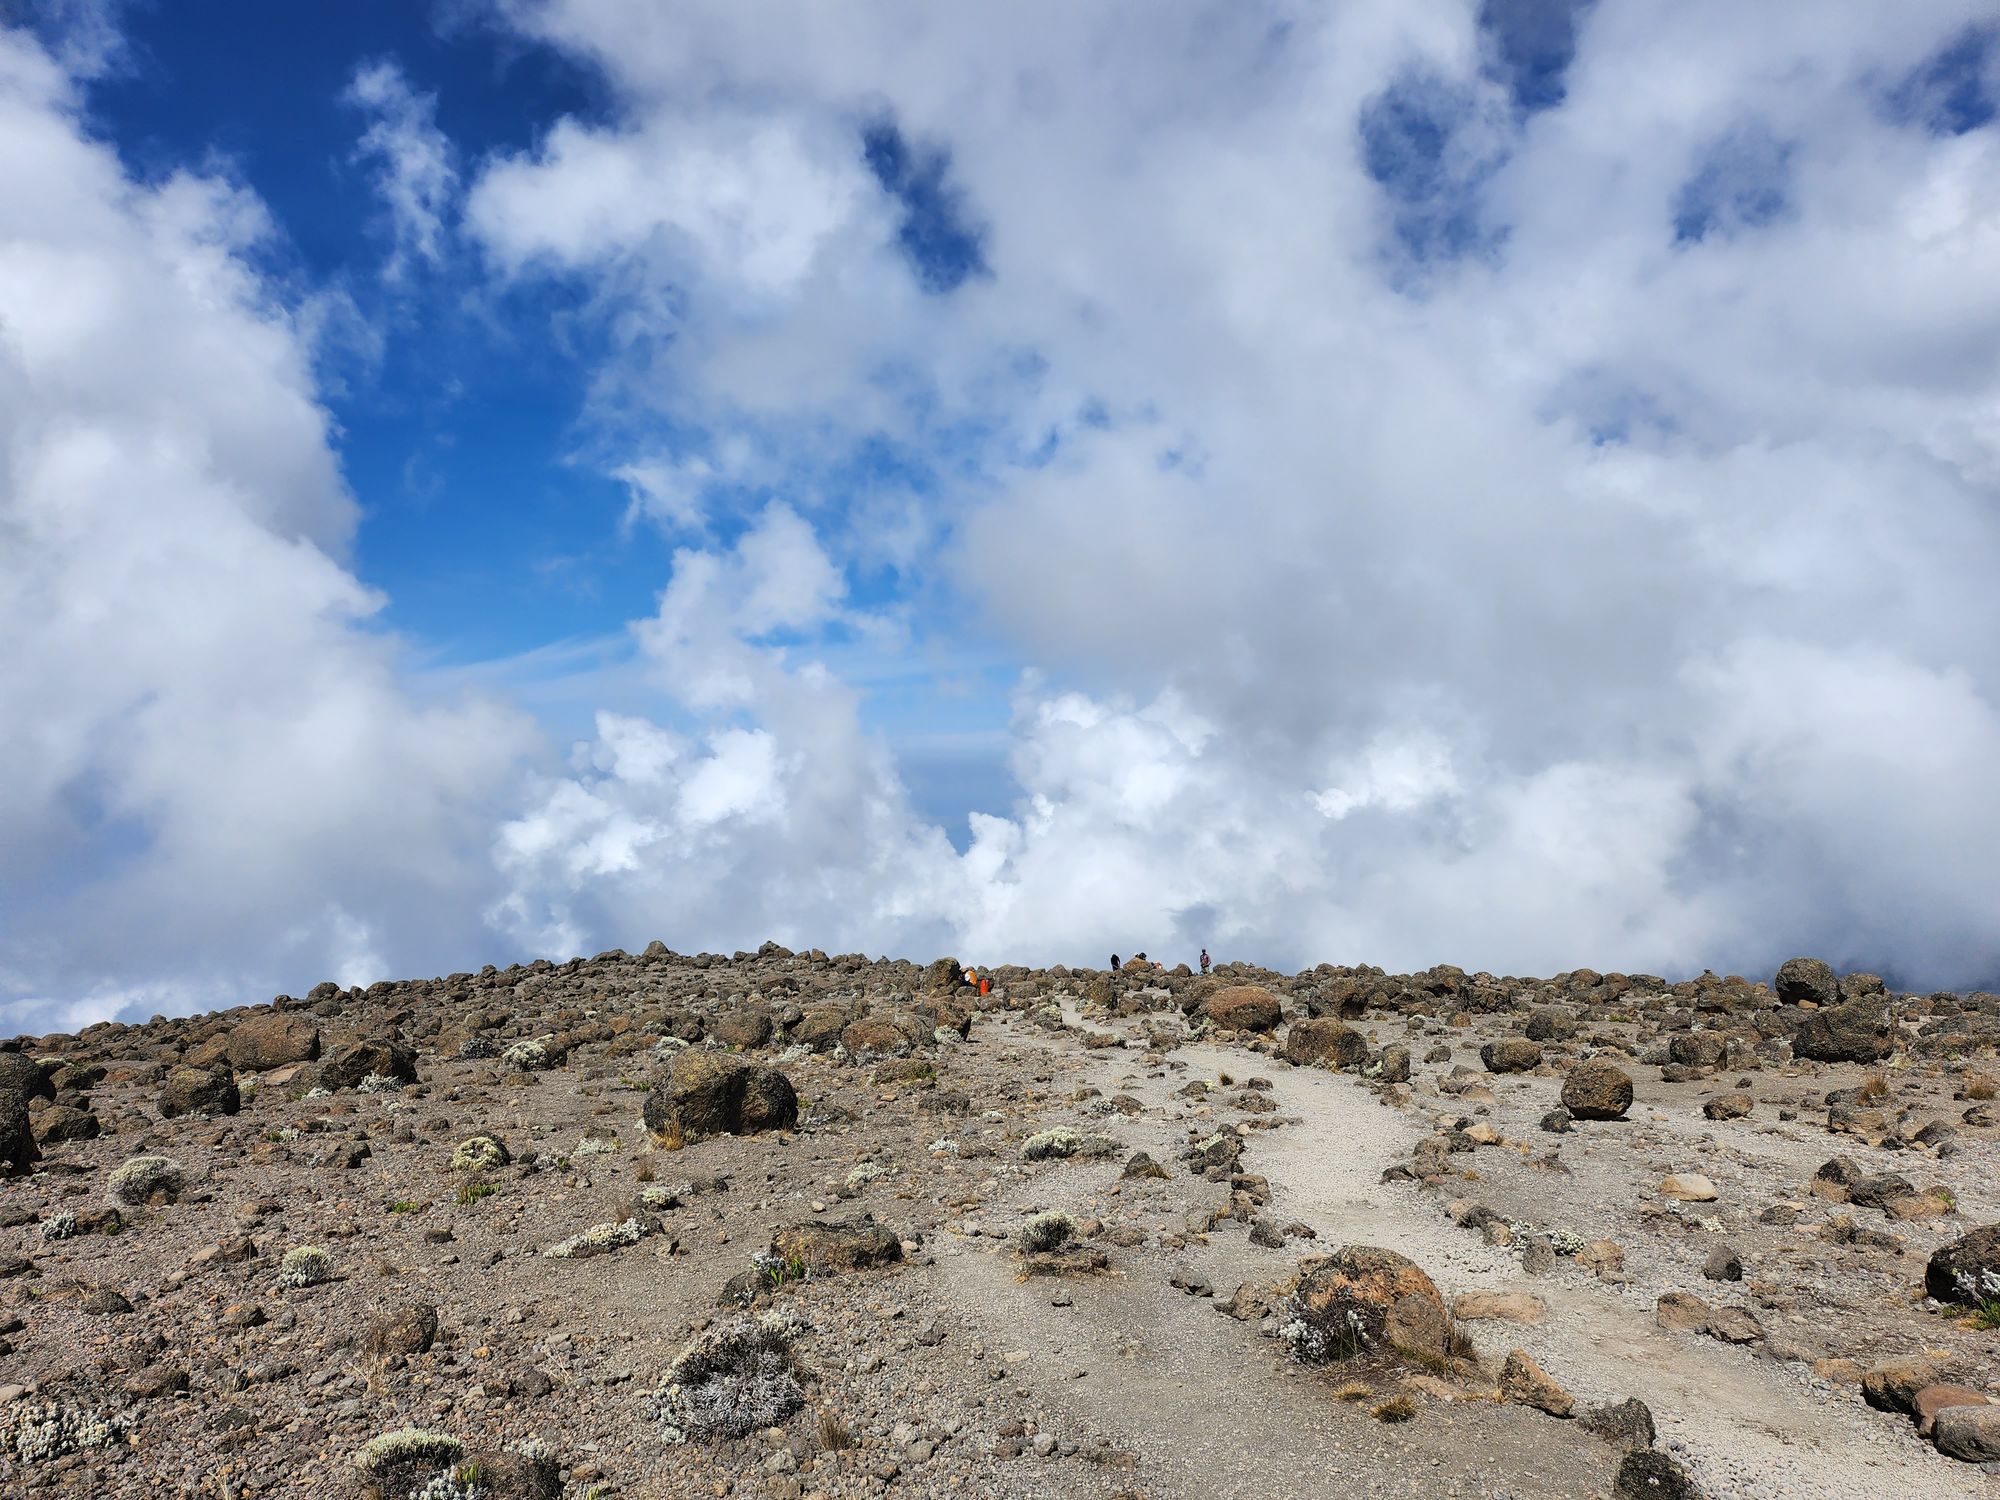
<point>1204,960</point>
<point>985,985</point>
<point>1114,963</point>
<point>972,978</point>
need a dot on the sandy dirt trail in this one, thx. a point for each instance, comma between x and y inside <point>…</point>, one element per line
<point>1747,1427</point>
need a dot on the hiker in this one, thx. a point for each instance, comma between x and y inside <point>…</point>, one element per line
<point>1204,960</point>
<point>972,977</point>
<point>1114,963</point>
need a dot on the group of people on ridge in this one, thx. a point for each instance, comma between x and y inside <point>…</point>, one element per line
<point>1140,961</point>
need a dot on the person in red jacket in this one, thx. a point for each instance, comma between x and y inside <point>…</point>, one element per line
<point>1204,960</point>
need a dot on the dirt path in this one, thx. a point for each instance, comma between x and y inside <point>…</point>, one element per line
<point>1746,1426</point>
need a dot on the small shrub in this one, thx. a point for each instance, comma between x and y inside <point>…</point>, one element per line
<point>1395,1409</point>
<point>36,1431</point>
<point>404,1206</point>
<point>1045,1231</point>
<point>1987,1315</point>
<point>737,1377</point>
<point>528,1057</point>
<point>1354,1390</point>
<point>779,1270</point>
<point>480,1153</point>
<point>305,1265</point>
<point>476,1047</point>
<point>599,1239</point>
<point>398,1461</point>
<point>59,1226</point>
<point>834,1434</point>
<point>144,1178</point>
<point>1057,1143</point>
<point>379,1083</point>
<point>472,1192</point>
<point>1982,1088</point>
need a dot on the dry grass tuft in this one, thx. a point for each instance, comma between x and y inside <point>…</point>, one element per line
<point>1354,1390</point>
<point>1395,1409</point>
<point>834,1433</point>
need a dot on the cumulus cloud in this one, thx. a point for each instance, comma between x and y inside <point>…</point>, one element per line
<point>413,162</point>
<point>214,781</point>
<point>1513,488</point>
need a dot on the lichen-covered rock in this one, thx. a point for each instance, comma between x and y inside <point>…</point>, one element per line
<point>1514,1054</point>
<point>1968,1433</point>
<point>1243,1007</point>
<point>272,1039</point>
<point>65,1122</point>
<point>1325,1043</point>
<point>1806,981</point>
<point>1597,1090</point>
<point>1366,1298</point>
<point>198,1091</point>
<point>744,1028</point>
<point>707,1093</point>
<point>1647,1474</point>
<point>18,1151</point>
<point>409,1329</point>
<point>1966,1270</point>
<point>374,1058</point>
<point>1857,1031</point>
<point>827,1246</point>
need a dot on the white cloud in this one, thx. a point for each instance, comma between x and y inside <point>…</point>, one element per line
<point>1476,600</point>
<point>213,781</point>
<point>415,166</point>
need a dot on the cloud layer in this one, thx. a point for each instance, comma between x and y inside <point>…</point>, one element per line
<point>1515,486</point>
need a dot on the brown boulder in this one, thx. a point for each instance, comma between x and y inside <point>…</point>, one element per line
<point>1933,1399</point>
<point>748,1027</point>
<point>828,1246</point>
<point>1597,1090</point>
<point>708,1093</point>
<point>376,1057</point>
<point>197,1091</point>
<point>1514,1054</point>
<point>1893,1384</point>
<point>1243,1007</point>
<point>272,1039</point>
<point>409,1329</point>
<point>1325,1043</point>
<point>1363,1298</point>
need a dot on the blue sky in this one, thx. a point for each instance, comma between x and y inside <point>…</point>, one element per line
<point>1508,482</point>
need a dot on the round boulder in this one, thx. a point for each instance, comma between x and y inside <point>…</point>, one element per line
<point>707,1093</point>
<point>1806,981</point>
<point>1514,1054</point>
<point>1597,1090</point>
<point>198,1091</point>
<point>1243,1007</point>
<point>1365,1298</point>
<point>1326,1043</point>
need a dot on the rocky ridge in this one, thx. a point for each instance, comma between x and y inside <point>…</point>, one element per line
<point>792,1224</point>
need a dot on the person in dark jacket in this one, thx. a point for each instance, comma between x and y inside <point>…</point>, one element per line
<point>1204,960</point>
<point>1114,963</point>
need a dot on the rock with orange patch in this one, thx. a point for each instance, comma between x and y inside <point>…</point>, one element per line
<point>1365,1298</point>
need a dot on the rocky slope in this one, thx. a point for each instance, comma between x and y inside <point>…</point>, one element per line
<point>789,1225</point>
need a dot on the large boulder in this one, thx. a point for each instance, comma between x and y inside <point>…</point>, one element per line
<point>1969,1433</point>
<point>876,1034</point>
<point>198,1091</point>
<point>272,1039</point>
<point>60,1123</point>
<point>1597,1090</point>
<point>1648,1474</point>
<point>374,1058</point>
<point>1806,981</point>
<point>1857,1031</point>
<point>1966,1270</point>
<point>821,1025</point>
<point>1514,1054</point>
<point>1325,1043</point>
<point>22,1075</point>
<point>1243,1007</point>
<point>1364,1298</point>
<point>745,1028</point>
<point>707,1093</point>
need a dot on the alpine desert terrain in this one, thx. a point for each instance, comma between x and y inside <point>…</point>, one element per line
<point>789,1225</point>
